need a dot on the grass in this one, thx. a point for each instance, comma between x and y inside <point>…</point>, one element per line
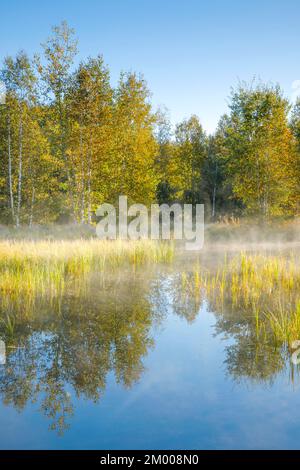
<point>31,268</point>
<point>263,288</point>
<point>260,287</point>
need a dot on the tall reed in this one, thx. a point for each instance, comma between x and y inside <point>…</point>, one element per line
<point>41,267</point>
<point>265,288</point>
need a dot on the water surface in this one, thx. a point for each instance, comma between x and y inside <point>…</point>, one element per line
<point>135,359</point>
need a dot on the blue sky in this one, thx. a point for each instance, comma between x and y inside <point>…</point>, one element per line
<point>190,52</point>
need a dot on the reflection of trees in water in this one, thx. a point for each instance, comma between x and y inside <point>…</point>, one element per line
<point>184,295</point>
<point>249,356</point>
<point>252,355</point>
<point>249,359</point>
<point>76,342</point>
<point>104,326</point>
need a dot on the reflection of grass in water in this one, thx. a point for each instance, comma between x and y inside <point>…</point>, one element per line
<point>31,268</point>
<point>264,287</point>
<point>100,326</point>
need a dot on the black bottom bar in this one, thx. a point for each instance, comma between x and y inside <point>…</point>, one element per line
<point>135,459</point>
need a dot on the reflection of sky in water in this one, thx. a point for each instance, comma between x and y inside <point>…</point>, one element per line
<point>184,398</point>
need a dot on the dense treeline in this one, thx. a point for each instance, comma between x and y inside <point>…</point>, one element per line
<point>69,141</point>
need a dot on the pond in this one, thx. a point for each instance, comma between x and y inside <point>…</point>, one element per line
<point>145,358</point>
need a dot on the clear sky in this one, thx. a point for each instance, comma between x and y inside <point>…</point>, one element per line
<point>191,52</point>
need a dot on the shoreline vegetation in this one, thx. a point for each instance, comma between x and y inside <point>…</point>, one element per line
<point>255,281</point>
<point>34,268</point>
<point>41,259</point>
<point>260,289</point>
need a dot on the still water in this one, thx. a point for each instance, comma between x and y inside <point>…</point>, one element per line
<point>134,359</point>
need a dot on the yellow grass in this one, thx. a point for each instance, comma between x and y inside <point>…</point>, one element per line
<point>264,288</point>
<point>44,266</point>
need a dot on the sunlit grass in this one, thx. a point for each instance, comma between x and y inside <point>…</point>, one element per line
<point>263,288</point>
<point>33,268</point>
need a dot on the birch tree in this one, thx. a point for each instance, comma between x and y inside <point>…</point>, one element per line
<point>19,78</point>
<point>55,73</point>
<point>260,146</point>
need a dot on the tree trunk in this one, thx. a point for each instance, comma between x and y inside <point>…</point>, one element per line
<point>215,191</point>
<point>89,188</point>
<point>20,172</point>
<point>82,181</point>
<point>31,207</point>
<point>11,196</point>
<point>213,213</point>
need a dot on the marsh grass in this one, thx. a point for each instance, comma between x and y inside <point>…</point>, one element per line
<point>261,289</point>
<point>264,289</point>
<point>29,268</point>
